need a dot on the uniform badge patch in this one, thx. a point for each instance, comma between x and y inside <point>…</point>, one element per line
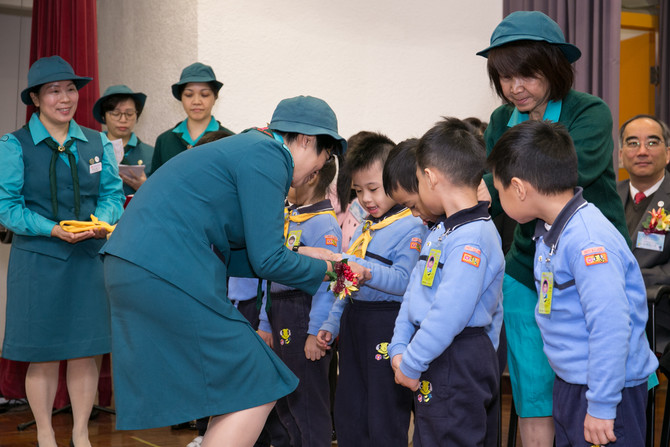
<point>471,259</point>
<point>597,258</point>
<point>331,240</point>
<point>425,392</point>
<point>285,336</point>
<point>473,249</point>
<point>382,351</point>
<point>415,244</point>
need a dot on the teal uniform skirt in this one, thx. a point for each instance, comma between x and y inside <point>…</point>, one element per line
<point>176,359</point>
<point>57,308</point>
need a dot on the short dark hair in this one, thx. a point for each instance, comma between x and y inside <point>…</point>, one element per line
<point>323,142</point>
<point>539,152</point>
<point>479,126</point>
<point>528,58</point>
<point>664,128</point>
<point>400,168</point>
<point>345,194</point>
<point>109,104</point>
<point>367,150</point>
<point>214,135</point>
<point>213,85</point>
<point>452,148</point>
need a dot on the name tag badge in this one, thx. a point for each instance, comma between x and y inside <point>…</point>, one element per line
<point>546,290</point>
<point>357,211</point>
<point>431,267</point>
<point>293,239</point>
<point>651,241</point>
<point>95,167</point>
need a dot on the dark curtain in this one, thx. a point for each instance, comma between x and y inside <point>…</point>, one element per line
<point>69,29</point>
<point>663,88</point>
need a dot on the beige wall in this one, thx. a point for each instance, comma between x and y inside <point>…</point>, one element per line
<point>382,65</point>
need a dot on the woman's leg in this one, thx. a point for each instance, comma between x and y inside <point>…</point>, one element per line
<point>41,386</point>
<point>82,385</point>
<point>238,429</point>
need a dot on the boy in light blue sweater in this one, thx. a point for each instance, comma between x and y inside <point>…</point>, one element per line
<point>592,304</point>
<point>447,331</point>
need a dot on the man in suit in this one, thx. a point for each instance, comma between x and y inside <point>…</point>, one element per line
<point>644,152</point>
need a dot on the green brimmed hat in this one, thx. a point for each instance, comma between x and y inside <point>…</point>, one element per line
<point>306,115</point>
<point>139,98</point>
<point>50,69</point>
<point>196,72</point>
<point>531,25</point>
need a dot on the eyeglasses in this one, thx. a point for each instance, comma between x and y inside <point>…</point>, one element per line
<point>117,115</point>
<point>649,144</point>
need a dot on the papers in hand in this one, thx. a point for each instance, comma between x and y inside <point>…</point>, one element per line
<point>131,170</point>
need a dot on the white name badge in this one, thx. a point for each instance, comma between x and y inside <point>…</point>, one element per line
<point>651,241</point>
<point>95,167</point>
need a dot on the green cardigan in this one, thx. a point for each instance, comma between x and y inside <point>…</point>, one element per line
<point>589,121</point>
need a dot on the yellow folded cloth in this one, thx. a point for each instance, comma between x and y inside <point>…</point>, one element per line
<point>78,226</point>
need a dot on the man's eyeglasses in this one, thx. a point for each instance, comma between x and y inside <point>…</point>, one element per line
<point>649,144</point>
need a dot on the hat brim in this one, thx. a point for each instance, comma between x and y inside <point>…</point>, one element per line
<point>307,129</point>
<point>175,87</point>
<point>79,82</point>
<point>97,113</point>
<point>571,52</point>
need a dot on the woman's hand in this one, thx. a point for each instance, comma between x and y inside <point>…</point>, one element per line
<point>267,338</point>
<point>313,351</point>
<point>320,253</point>
<point>132,180</point>
<point>73,238</point>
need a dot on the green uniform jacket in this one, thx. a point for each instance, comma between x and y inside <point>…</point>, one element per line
<point>169,144</point>
<point>589,122</point>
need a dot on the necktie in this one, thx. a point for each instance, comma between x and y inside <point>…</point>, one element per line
<point>360,245</point>
<point>57,149</point>
<point>639,197</point>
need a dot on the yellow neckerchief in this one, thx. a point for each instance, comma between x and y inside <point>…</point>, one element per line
<point>360,245</point>
<point>301,217</point>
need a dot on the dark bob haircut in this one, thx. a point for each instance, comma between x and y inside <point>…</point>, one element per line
<point>109,104</point>
<point>400,168</point>
<point>452,148</point>
<point>528,58</point>
<point>539,152</point>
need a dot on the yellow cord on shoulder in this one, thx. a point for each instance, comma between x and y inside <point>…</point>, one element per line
<point>79,226</point>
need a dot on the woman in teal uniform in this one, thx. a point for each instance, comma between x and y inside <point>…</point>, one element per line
<point>119,108</point>
<point>53,170</point>
<point>197,90</point>
<point>181,350</point>
<point>529,65</point>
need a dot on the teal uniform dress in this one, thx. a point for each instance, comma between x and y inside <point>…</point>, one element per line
<point>181,349</point>
<point>136,152</point>
<point>57,308</point>
<point>177,140</point>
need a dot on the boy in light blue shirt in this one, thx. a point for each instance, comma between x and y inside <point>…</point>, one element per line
<point>592,304</point>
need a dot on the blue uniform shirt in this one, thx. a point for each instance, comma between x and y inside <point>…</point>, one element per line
<point>594,333</point>
<point>320,231</point>
<point>13,213</point>
<point>391,256</point>
<point>466,290</point>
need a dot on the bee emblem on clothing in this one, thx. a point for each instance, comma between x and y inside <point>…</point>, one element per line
<point>285,335</point>
<point>425,391</point>
<point>382,351</point>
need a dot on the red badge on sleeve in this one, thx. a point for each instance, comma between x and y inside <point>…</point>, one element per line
<point>331,240</point>
<point>471,259</point>
<point>415,244</point>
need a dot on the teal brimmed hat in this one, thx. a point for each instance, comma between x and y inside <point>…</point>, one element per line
<point>306,115</point>
<point>139,98</point>
<point>531,25</point>
<point>50,69</point>
<point>196,72</point>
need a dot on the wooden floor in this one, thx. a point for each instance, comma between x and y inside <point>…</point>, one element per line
<point>103,434</point>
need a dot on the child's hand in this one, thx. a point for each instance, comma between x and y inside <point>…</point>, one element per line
<point>267,337</point>
<point>323,339</point>
<point>598,431</point>
<point>362,272</point>
<point>395,361</point>
<point>313,351</point>
<point>402,379</point>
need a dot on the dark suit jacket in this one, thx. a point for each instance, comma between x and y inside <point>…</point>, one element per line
<point>655,265</point>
